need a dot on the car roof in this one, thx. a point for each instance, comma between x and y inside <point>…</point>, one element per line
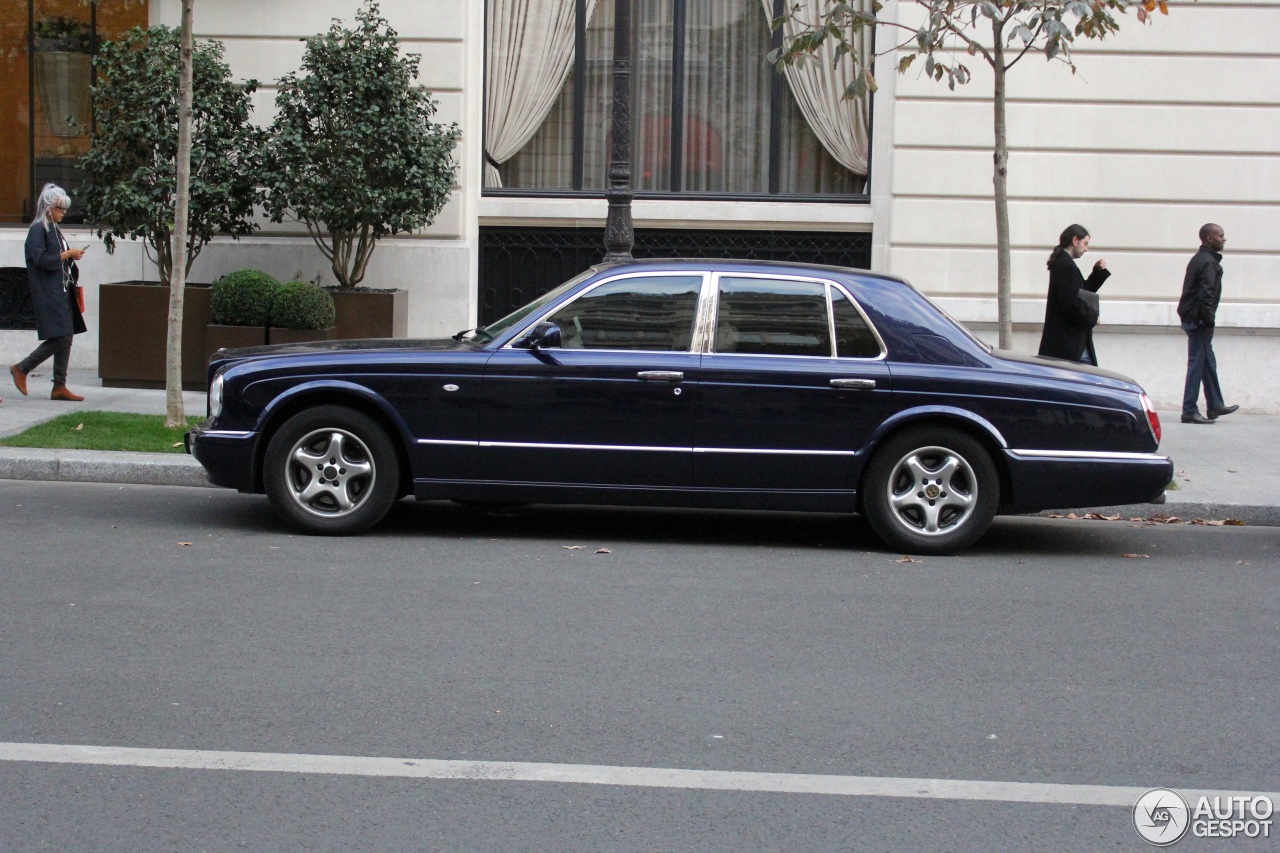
<point>743,265</point>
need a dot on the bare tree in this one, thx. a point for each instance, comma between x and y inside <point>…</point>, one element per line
<point>175,414</point>
<point>1001,32</point>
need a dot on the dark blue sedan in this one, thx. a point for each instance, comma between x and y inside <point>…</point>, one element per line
<point>741,385</point>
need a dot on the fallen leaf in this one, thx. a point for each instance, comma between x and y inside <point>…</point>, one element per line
<point>1232,471</point>
<point>907,558</point>
<point>1072,515</point>
<point>176,444</point>
<point>77,427</point>
<point>1138,556</point>
<point>603,551</point>
<point>573,547</point>
<point>186,543</point>
<point>1115,517</point>
<point>1233,522</point>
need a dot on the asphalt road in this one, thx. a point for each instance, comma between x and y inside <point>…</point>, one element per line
<point>187,619</point>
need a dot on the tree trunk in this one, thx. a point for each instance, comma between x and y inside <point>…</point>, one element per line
<point>175,413</point>
<point>1004,268</point>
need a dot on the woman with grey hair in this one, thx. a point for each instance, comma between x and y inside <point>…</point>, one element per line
<point>54,277</point>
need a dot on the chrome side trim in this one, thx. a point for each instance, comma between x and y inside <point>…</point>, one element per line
<point>1090,454</point>
<point>778,452</point>
<point>226,433</point>
<point>531,445</point>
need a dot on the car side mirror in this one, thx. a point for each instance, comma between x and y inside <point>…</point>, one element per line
<point>543,335</point>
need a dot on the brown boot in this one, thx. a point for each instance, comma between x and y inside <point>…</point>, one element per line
<point>19,379</point>
<point>60,392</point>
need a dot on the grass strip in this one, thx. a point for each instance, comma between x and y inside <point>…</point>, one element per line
<point>103,431</point>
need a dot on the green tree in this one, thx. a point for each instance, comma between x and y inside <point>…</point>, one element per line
<point>1000,32</point>
<point>354,153</point>
<point>174,158</point>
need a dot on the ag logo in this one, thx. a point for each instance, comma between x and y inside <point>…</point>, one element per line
<point>1161,817</point>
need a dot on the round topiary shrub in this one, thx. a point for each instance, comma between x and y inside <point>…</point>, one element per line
<point>243,298</point>
<point>302,305</point>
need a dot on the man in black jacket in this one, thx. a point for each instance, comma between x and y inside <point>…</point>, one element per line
<point>1198,307</point>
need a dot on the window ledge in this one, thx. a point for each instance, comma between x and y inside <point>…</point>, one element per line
<point>678,213</point>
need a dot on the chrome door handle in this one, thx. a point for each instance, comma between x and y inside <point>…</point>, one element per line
<point>661,375</point>
<point>855,384</point>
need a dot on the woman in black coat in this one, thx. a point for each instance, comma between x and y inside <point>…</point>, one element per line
<point>53,276</point>
<point>1069,318</point>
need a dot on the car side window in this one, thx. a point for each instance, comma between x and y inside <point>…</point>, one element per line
<point>854,338</point>
<point>653,313</point>
<point>762,316</point>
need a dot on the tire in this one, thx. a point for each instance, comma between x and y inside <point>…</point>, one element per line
<point>331,471</point>
<point>931,490</point>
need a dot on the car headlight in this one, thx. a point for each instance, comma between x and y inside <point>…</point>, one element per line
<point>215,396</point>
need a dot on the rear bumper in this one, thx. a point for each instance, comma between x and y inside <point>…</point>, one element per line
<point>1042,479</point>
<point>227,456</point>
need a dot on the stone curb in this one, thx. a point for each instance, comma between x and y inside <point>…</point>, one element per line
<point>1253,515</point>
<point>100,466</point>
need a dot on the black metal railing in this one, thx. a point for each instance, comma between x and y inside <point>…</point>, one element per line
<point>520,264</point>
<point>15,299</point>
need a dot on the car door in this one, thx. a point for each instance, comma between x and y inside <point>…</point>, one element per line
<point>613,405</point>
<point>791,388</point>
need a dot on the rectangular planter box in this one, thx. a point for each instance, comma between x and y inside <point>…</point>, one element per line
<point>217,337</point>
<point>371,314</point>
<point>133,328</point>
<point>278,335</point>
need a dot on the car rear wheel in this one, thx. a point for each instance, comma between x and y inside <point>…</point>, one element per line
<point>931,491</point>
<point>331,470</point>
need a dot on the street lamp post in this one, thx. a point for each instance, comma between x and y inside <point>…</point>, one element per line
<point>619,236</point>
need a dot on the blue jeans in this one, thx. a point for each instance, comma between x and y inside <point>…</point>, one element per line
<point>1202,369</point>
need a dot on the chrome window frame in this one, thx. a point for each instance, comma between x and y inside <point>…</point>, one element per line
<point>713,320</point>
<point>671,273</point>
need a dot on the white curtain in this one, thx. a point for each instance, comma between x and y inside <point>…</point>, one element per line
<point>530,54</point>
<point>818,88</point>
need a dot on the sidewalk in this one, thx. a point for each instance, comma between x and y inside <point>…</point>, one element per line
<point>1221,471</point>
<point>17,413</point>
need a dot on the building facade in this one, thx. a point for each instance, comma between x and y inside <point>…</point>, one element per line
<point>1163,128</point>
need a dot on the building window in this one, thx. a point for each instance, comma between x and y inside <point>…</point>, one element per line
<point>709,115</point>
<point>46,54</point>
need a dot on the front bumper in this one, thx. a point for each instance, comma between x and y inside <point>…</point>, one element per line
<point>226,455</point>
<point>1074,479</point>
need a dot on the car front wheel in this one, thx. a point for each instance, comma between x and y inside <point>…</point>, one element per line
<point>931,491</point>
<point>331,470</point>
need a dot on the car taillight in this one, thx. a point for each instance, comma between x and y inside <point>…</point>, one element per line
<point>1153,420</point>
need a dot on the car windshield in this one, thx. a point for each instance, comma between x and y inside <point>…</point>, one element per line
<point>493,330</point>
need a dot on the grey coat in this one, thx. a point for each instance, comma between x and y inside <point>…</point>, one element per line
<point>55,307</point>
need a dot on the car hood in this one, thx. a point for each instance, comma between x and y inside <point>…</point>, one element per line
<point>1036,365</point>
<point>364,345</point>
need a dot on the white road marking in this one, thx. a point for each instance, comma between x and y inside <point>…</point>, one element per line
<point>588,774</point>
